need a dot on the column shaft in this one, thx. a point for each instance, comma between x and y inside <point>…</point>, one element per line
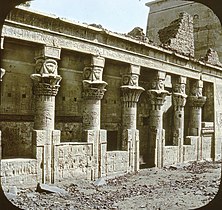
<point>129,117</point>
<point>91,115</point>
<point>157,97</point>
<point>195,121</point>
<point>44,112</point>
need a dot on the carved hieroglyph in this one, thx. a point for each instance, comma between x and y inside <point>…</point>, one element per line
<point>196,100</point>
<point>93,92</point>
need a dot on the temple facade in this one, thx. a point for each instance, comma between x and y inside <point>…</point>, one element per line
<point>81,102</point>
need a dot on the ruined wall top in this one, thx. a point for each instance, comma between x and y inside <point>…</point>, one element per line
<point>179,35</point>
<point>42,29</point>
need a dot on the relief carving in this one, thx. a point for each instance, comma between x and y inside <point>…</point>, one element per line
<point>196,98</point>
<point>93,86</point>
<point>130,89</point>
<point>46,66</point>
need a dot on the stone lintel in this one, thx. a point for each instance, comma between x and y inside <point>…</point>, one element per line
<point>97,61</point>
<point>36,36</point>
<point>48,52</point>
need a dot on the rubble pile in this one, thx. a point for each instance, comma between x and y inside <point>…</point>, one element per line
<point>182,186</point>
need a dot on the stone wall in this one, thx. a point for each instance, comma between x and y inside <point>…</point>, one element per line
<point>16,110</point>
<point>16,139</point>
<point>117,162</point>
<point>73,161</point>
<point>218,118</point>
<point>207,27</point>
<point>170,155</point>
<point>18,172</point>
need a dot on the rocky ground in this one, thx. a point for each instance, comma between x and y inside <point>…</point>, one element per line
<point>185,186</point>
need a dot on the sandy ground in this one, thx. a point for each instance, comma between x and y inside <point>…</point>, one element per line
<point>184,186</point>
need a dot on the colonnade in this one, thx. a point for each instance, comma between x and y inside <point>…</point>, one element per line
<point>46,85</point>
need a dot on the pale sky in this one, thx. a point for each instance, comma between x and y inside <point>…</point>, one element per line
<point>115,15</point>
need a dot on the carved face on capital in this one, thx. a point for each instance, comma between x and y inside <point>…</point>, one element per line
<point>97,73</point>
<point>197,91</point>
<point>131,80</point>
<point>180,88</point>
<point>50,66</point>
<point>39,66</point>
<point>134,80</point>
<point>158,84</point>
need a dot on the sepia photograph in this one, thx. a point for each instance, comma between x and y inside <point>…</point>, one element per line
<point>110,105</point>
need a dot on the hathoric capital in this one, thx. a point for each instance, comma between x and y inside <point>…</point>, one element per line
<point>157,93</point>
<point>179,92</point>
<point>93,85</point>
<point>196,98</point>
<point>46,79</point>
<point>130,88</point>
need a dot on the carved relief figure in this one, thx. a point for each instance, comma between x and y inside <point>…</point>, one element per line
<point>46,66</point>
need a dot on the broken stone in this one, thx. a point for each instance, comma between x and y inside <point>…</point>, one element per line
<point>49,189</point>
<point>13,190</point>
<point>100,182</point>
<point>212,58</point>
<point>179,35</point>
<point>10,196</point>
<point>137,33</point>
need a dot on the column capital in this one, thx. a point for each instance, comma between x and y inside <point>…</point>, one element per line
<point>2,73</point>
<point>47,85</point>
<point>179,101</point>
<point>46,79</point>
<point>179,92</point>
<point>93,85</point>
<point>94,71</point>
<point>131,95</point>
<point>130,88</point>
<point>196,98</point>
<point>157,92</point>
<point>195,101</point>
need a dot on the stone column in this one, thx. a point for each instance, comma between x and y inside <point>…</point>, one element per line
<point>130,96</point>
<point>196,100</point>
<point>157,96</point>
<point>45,88</point>
<point>93,92</point>
<point>46,85</point>
<point>179,101</point>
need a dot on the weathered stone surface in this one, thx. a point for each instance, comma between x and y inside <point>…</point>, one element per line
<point>207,27</point>
<point>138,33</point>
<point>212,58</point>
<point>49,189</point>
<point>178,36</point>
<point>94,61</point>
<point>100,182</point>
